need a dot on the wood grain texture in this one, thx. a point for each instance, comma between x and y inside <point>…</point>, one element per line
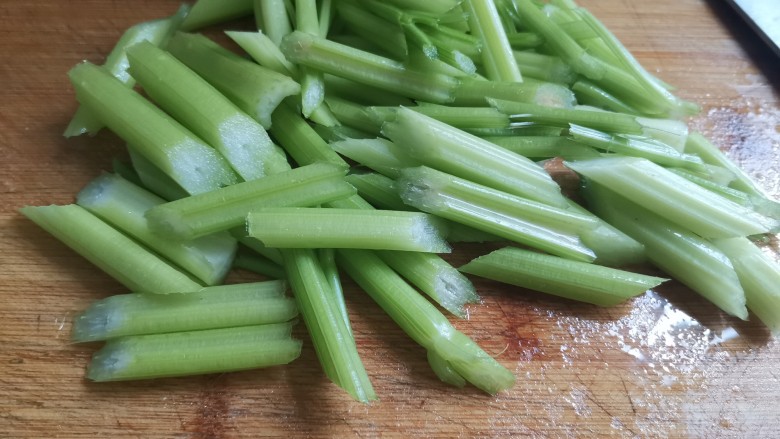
<point>654,367</point>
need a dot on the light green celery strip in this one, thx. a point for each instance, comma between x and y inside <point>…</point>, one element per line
<point>451,150</point>
<point>341,132</point>
<point>361,93</point>
<point>544,147</point>
<point>366,68</point>
<point>574,280</point>
<point>524,40</point>
<point>172,148</point>
<point>485,23</point>
<point>327,258</point>
<point>423,322</point>
<point>123,205</point>
<point>263,50</point>
<point>699,145</point>
<point>682,254</point>
<point>332,341</point>
<point>275,21</point>
<point>194,353</point>
<point>528,222</point>
<point>299,139</point>
<point>563,117</point>
<point>478,92</point>
<point>154,179</point>
<point>590,94</point>
<point>208,12</point>
<point>255,89</point>
<point>204,110</point>
<point>225,208</point>
<point>612,247</point>
<point>342,228</point>
<point>673,197</point>
<point>386,35</point>
<point>157,32</point>
<point>225,306</point>
<point>759,275</point>
<point>327,12</point>
<point>732,194</point>
<point>126,171</point>
<point>256,263</point>
<point>256,246</point>
<point>545,67</point>
<point>379,154</point>
<point>433,6</point>
<point>459,117</point>
<point>312,84</point>
<point>354,115</point>
<point>122,258</point>
<point>444,371</point>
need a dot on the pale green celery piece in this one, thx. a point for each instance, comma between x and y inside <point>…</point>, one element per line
<point>419,61</point>
<point>759,275</point>
<point>341,132</point>
<point>126,171</point>
<point>206,112</point>
<point>434,6</point>
<point>724,191</point>
<point>353,115</point>
<point>454,151</point>
<point>699,145</point>
<point>154,179</point>
<point>423,322</point>
<point>544,147</point>
<point>649,149</point>
<point>263,50</point>
<point>333,343</point>
<point>347,228</point>
<point>673,197</point>
<point>544,67</point>
<point>478,92</point>
<point>123,205</point>
<point>669,131</point>
<point>256,246</point>
<point>226,306</point>
<point>275,19</point>
<point>155,31</point>
<point>590,94</point>
<point>435,277</point>
<point>520,129</point>
<point>172,148</point>
<point>361,93</point>
<point>602,286</point>
<point>683,255</point>
<point>485,23</point>
<point>255,89</point>
<point>444,371</point>
<point>452,39</point>
<point>327,258</point>
<point>379,154</point>
<point>327,12</point>
<point>256,263</point>
<point>563,117</point>
<point>386,35</point>
<point>612,247</point>
<point>312,84</point>
<point>459,117</point>
<point>209,12</point>
<point>193,353</point>
<point>524,40</point>
<point>119,256</point>
<point>409,22</point>
<point>364,67</point>
<point>226,208</point>
<point>527,222</point>
<point>299,139</point>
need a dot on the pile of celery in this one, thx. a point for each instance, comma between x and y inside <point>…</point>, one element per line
<point>449,114</point>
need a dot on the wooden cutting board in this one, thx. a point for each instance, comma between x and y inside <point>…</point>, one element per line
<point>664,364</point>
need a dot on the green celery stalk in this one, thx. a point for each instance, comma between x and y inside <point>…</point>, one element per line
<point>528,222</point>
<point>301,227</point>
<point>354,115</point>
<point>563,117</point>
<point>437,7</point>
<point>384,34</point>
<point>478,92</point>
<point>341,132</point>
<point>589,93</point>
<point>312,84</point>
<point>256,246</point>
<point>155,31</point>
<point>209,12</point>
<point>379,154</point>
<point>699,145</point>
<point>574,280</point>
<point>275,19</point>
<point>458,117</point>
<point>119,256</point>
<point>225,208</point>
<point>732,194</point>
<point>544,67</point>
<point>451,150</point>
<point>193,353</point>
<point>123,205</point>
<point>299,139</point>
<point>262,49</point>
<point>544,147</point>
<point>253,88</point>
<point>423,322</point>
<point>126,171</point>
<point>225,306</point>
<point>259,264</point>
<point>524,40</point>
<point>155,179</point>
<point>327,259</point>
<point>485,23</point>
<point>378,190</point>
<point>172,148</point>
<point>204,110</point>
<point>361,93</point>
<point>673,197</point>
<point>332,340</point>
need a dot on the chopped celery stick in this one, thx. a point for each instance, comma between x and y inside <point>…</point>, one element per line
<point>451,150</point>
<point>423,322</point>
<point>445,37</point>
<point>650,149</point>
<point>444,371</point>
<point>347,228</point>
<point>256,246</point>
<point>208,12</point>
<point>154,179</point>
<point>379,154</point>
<point>327,258</point>
<point>434,277</point>
<point>122,258</point>
<point>366,68</point>
<point>544,147</point>
<point>669,131</point>
<point>385,35</point>
<point>253,88</point>
<point>354,115</point>
<point>433,6</point>
<point>528,222</point>
<point>263,51</point>
<point>497,57</point>
<point>517,130</point>
<point>172,148</point>
<point>225,306</point>
<point>590,94</point>
<point>327,12</point>
<point>478,92</point>
<point>275,19</point>
<point>332,340</point>
<point>259,264</point>
<point>459,117</point>
<point>312,84</point>
<point>341,132</point>
<point>612,247</point>
<point>123,205</point>
<point>544,67</point>
<point>194,353</point>
<point>126,171</point>
<point>673,197</point>
<point>759,275</point>
<point>524,40</point>
<point>602,286</point>
<point>683,255</point>
<point>299,139</point>
<point>155,31</point>
<point>204,110</point>
<point>226,208</point>
<point>361,93</point>
<point>724,191</point>
<point>563,117</point>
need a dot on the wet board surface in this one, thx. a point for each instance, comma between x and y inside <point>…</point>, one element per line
<point>666,364</point>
